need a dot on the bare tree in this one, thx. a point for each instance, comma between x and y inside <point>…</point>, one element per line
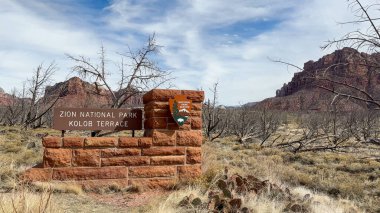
<point>325,131</point>
<point>243,123</point>
<point>247,123</point>
<point>364,126</point>
<point>269,122</point>
<point>215,119</point>
<point>2,115</point>
<point>334,130</point>
<point>367,37</point>
<point>35,91</point>
<point>14,112</point>
<point>138,72</point>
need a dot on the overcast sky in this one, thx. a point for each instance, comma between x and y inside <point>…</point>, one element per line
<point>204,41</point>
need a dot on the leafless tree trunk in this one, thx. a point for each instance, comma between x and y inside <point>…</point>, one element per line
<point>269,123</point>
<point>323,131</point>
<point>333,130</point>
<point>215,119</point>
<point>138,72</point>
<point>364,125</point>
<point>15,111</point>
<point>2,115</point>
<point>36,85</point>
<point>247,123</point>
<point>143,74</point>
<point>369,37</point>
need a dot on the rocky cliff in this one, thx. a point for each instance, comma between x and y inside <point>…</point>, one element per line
<point>81,94</point>
<point>75,93</point>
<point>347,66</point>
<point>5,99</point>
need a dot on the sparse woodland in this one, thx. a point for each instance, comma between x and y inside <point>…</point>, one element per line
<point>137,70</point>
<point>254,159</point>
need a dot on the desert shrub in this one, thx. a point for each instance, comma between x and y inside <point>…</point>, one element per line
<point>24,200</point>
<point>57,187</point>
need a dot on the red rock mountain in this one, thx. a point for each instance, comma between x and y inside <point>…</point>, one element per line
<point>5,99</point>
<point>78,93</point>
<point>347,65</point>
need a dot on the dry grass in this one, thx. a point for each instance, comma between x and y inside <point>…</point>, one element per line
<point>19,149</point>
<point>336,182</point>
<point>263,203</point>
<point>170,205</point>
<point>321,172</point>
<point>24,200</point>
<point>58,187</point>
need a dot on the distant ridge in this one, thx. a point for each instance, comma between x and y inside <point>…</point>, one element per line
<point>76,92</point>
<point>346,65</point>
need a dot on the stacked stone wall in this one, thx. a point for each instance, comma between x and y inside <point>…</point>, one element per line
<point>166,154</point>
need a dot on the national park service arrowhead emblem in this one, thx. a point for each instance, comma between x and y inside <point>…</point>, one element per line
<point>180,108</point>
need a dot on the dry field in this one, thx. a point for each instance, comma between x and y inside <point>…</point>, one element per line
<point>315,181</point>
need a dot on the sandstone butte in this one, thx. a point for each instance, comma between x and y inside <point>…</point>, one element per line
<point>78,93</point>
<point>346,65</point>
<point>74,93</point>
<point>6,99</point>
<point>167,153</point>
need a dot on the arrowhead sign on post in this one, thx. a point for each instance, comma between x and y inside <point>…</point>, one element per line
<point>180,108</point>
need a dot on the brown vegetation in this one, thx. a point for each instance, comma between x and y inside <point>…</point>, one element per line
<point>335,181</point>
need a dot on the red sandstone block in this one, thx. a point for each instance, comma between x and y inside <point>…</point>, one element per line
<point>108,153</point>
<point>156,105</point>
<point>157,113</point>
<point>145,142</point>
<point>196,123</point>
<point>101,183</point>
<point>154,183</point>
<point>155,123</point>
<point>193,155</point>
<point>37,174</point>
<point>189,172</point>
<point>160,95</point>
<point>90,173</point>
<point>52,142</point>
<point>167,160</point>
<point>128,142</point>
<point>101,142</point>
<point>152,171</point>
<point>73,142</point>
<point>194,95</point>
<point>126,161</point>
<point>196,113</point>
<point>196,106</point>
<point>162,137</point>
<point>57,157</point>
<point>86,157</point>
<point>157,151</point>
<point>175,126</point>
<point>189,138</point>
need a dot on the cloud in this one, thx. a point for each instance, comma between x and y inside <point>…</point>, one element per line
<point>203,41</point>
<point>31,34</point>
<point>202,47</point>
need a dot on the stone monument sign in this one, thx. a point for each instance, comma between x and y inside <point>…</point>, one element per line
<point>97,119</point>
